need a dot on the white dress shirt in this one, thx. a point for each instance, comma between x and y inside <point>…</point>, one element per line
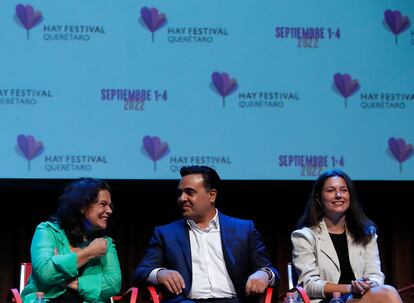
<point>210,276</point>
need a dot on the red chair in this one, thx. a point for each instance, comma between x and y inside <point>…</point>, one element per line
<point>292,276</point>
<point>26,270</point>
<point>131,293</point>
<point>267,296</point>
<point>300,293</point>
<point>406,293</point>
<point>156,297</point>
<point>409,288</point>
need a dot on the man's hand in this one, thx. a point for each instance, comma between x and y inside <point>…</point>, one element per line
<point>257,283</point>
<point>172,280</point>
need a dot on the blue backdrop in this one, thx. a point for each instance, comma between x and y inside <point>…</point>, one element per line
<point>259,90</point>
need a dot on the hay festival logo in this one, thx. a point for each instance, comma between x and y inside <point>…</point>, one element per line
<point>345,86</point>
<point>28,148</point>
<point>223,85</point>
<point>154,149</point>
<point>152,20</point>
<point>399,151</point>
<point>395,23</point>
<point>27,17</point>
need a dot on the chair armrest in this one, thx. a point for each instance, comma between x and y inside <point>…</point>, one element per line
<point>132,293</point>
<point>303,294</point>
<point>14,296</point>
<point>154,294</point>
<point>267,296</point>
<point>406,289</point>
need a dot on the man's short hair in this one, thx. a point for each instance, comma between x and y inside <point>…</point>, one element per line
<point>210,177</point>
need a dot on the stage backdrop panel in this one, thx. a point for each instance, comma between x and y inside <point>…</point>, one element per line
<point>269,90</point>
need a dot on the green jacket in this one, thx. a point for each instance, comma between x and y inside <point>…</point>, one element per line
<point>54,266</point>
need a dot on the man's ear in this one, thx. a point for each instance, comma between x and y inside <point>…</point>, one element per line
<point>213,195</point>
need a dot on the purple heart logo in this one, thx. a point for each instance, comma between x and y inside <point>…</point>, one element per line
<point>29,148</point>
<point>223,84</point>
<point>345,86</point>
<point>155,149</point>
<point>27,17</point>
<point>152,20</point>
<point>400,150</point>
<point>396,22</point>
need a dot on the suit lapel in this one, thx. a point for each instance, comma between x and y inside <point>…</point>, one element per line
<point>183,239</point>
<point>227,230</point>
<point>326,245</point>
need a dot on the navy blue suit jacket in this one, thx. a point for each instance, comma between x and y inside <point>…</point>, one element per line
<point>243,251</point>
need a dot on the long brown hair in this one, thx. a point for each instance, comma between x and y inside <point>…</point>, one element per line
<point>358,224</point>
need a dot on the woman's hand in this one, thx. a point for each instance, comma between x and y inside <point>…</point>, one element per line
<point>361,286</point>
<point>73,285</point>
<point>97,247</point>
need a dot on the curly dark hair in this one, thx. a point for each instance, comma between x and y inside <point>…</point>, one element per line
<point>358,224</point>
<point>76,196</point>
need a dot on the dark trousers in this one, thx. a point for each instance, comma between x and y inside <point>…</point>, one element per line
<point>70,296</point>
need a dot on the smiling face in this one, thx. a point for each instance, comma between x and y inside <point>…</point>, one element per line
<point>98,212</point>
<point>335,197</point>
<point>195,201</point>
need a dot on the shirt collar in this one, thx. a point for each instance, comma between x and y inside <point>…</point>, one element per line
<point>214,223</point>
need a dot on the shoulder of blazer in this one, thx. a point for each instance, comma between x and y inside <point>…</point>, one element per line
<point>172,225</point>
<point>226,219</point>
<point>305,232</point>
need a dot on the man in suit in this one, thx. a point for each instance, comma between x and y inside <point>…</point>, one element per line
<point>207,256</point>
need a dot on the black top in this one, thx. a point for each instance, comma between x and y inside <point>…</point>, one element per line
<point>341,247</point>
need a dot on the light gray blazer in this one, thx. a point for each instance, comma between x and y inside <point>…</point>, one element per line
<point>316,262</point>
